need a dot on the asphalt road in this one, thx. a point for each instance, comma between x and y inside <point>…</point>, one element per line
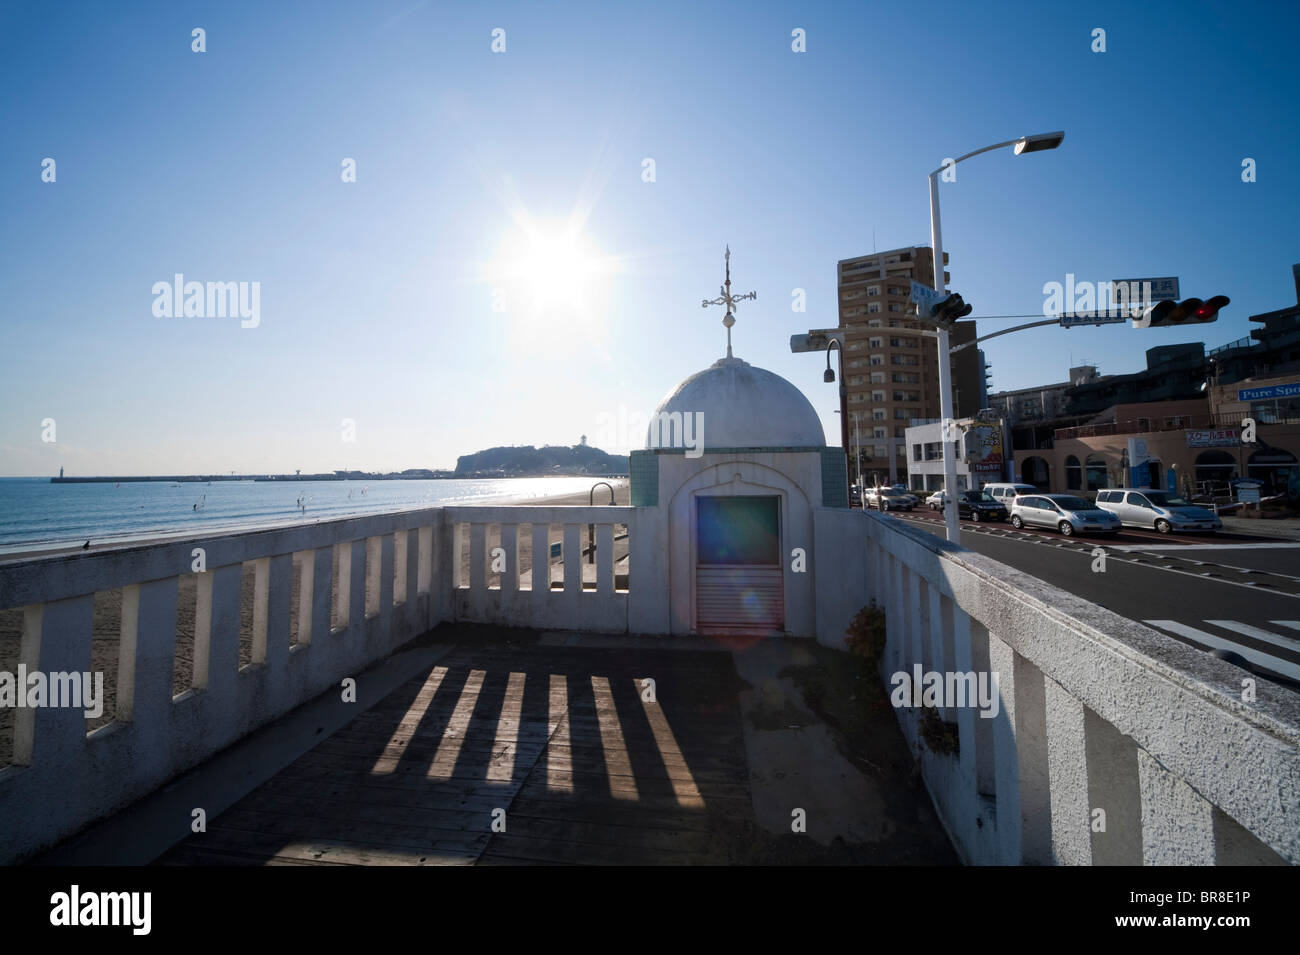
<point>1212,591</point>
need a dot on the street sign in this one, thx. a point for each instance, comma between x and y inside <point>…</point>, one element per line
<point>1146,291</point>
<point>925,298</point>
<point>1213,437</point>
<point>1248,494</point>
<point>1275,391</point>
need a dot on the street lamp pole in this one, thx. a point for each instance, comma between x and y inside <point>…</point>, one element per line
<point>1026,144</point>
<point>950,510</point>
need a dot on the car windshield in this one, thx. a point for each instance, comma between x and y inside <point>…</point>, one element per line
<point>1165,499</point>
<point>978,497</point>
<point>890,492</point>
<point>1073,504</point>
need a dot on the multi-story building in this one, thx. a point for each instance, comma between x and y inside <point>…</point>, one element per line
<point>890,367</point>
<point>1183,414</point>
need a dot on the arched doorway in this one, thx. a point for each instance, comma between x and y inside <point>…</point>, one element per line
<point>1273,466</point>
<point>1035,471</point>
<point>1214,469</point>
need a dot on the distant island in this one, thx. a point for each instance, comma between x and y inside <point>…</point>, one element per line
<point>524,461</point>
<point>528,461</point>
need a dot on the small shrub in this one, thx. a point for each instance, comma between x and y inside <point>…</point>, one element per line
<point>865,635</point>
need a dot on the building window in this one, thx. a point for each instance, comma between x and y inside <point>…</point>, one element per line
<point>877,343</point>
<point>873,307</point>
<point>877,377</point>
<point>916,452</point>
<point>894,307</point>
<point>1073,474</point>
<point>877,396</point>
<point>877,359</point>
<point>1095,474</point>
<point>873,289</point>
<point>877,414</point>
<point>880,432</point>
<point>874,323</point>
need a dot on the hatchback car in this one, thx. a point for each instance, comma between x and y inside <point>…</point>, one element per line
<point>1067,513</point>
<point>979,506</point>
<point>887,499</point>
<point>1159,510</point>
<point>1004,494</point>
<point>937,500</point>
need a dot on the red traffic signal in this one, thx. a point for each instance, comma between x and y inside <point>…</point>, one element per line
<point>1175,313</point>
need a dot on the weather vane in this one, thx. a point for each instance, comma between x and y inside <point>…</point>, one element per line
<point>728,300</point>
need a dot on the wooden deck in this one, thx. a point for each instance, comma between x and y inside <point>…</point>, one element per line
<point>556,743</point>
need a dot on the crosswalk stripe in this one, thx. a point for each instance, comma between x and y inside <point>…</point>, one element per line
<point>1286,643</point>
<point>1293,624</point>
<point>1257,657</point>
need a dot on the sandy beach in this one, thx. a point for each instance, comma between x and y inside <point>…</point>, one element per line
<point>107,620</point>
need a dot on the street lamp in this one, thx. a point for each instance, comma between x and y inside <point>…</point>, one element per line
<point>1025,144</point>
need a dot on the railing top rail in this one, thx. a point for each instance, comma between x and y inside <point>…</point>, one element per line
<point>539,513</point>
<point>43,578</point>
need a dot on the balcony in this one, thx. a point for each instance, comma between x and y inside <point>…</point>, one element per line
<point>1091,709</point>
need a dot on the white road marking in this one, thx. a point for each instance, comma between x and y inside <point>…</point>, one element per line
<point>1257,657</point>
<point>1289,545</point>
<point>1293,624</point>
<point>1286,643</point>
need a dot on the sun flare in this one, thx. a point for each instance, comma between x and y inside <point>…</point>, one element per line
<point>556,271</point>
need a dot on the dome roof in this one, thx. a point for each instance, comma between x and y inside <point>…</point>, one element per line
<point>742,407</point>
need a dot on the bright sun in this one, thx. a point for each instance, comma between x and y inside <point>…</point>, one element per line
<point>552,271</point>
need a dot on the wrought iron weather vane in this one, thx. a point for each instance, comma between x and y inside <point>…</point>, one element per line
<point>729,301</point>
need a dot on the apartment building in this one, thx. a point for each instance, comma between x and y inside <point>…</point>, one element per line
<point>890,367</point>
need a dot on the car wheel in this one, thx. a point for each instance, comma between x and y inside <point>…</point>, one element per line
<point>884,505</point>
<point>1066,528</point>
<point>976,517</point>
<point>1163,527</point>
<point>1016,522</point>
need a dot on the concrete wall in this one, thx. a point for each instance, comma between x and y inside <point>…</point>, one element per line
<point>1096,712</point>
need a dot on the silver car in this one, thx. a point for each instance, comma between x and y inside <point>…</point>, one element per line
<point>1065,512</point>
<point>1161,510</point>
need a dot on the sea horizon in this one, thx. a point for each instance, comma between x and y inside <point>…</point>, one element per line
<point>37,514</point>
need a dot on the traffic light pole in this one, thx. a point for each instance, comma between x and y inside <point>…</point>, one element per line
<point>950,510</point>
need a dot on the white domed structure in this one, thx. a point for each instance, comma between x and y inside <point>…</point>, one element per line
<point>733,404</point>
<point>740,506</point>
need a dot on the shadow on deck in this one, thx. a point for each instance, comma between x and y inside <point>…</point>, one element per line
<point>524,748</point>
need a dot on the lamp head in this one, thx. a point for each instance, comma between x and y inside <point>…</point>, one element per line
<point>1039,142</point>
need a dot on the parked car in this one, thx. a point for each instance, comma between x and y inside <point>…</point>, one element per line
<point>1159,510</point>
<point>979,506</point>
<point>1067,513</point>
<point>887,499</point>
<point>936,500</point>
<point>1004,494</point>
<point>902,489</point>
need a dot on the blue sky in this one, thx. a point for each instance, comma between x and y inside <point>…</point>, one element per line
<point>377,295</point>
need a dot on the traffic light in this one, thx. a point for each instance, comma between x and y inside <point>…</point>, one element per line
<point>948,311</point>
<point>1175,313</point>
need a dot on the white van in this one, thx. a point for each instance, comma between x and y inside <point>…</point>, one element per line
<point>1004,494</point>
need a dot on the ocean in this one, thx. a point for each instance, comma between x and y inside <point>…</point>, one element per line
<point>35,514</point>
